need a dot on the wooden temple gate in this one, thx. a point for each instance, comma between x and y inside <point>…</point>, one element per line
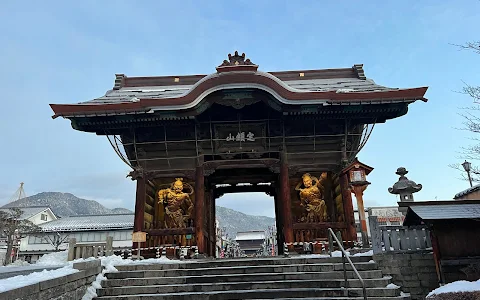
<point>191,139</point>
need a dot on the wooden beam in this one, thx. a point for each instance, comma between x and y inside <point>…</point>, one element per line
<point>171,231</point>
<point>322,225</point>
<point>243,189</point>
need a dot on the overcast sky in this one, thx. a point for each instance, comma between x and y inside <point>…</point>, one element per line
<point>69,51</point>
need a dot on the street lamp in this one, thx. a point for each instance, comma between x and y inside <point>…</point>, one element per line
<point>467,166</point>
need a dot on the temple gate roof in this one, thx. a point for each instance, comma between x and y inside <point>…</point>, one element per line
<point>342,86</point>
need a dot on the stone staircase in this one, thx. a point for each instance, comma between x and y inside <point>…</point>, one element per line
<point>261,278</point>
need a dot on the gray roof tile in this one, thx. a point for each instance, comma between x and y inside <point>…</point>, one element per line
<point>90,222</point>
<point>447,211</point>
<point>28,212</point>
<point>130,94</point>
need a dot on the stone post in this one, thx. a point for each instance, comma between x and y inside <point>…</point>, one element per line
<point>109,246</point>
<point>71,248</point>
<point>375,235</point>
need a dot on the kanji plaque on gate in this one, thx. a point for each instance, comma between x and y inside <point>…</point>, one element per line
<point>240,138</point>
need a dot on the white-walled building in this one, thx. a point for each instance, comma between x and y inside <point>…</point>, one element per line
<point>35,214</point>
<point>386,215</point>
<point>250,241</point>
<point>87,229</point>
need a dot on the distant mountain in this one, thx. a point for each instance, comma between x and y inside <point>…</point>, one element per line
<point>65,204</point>
<point>235,221</point>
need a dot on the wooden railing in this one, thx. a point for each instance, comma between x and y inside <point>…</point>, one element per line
<point>398,238</point>
<point>85,250</point>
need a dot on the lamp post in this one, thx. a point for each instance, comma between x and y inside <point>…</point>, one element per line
<point>467,166</point>
<point>357,179</point>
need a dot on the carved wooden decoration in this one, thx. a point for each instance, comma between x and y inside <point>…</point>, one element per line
<point>238,62</point>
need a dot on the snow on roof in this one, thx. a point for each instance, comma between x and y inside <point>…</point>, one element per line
<point>467,191</point>
<point>28,212</point>
<point>90,222</point>
<point>250,235</point>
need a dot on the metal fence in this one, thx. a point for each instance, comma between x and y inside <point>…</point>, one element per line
<point>398,238</point>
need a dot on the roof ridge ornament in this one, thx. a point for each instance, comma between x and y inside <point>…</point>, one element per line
<point>237,62</point>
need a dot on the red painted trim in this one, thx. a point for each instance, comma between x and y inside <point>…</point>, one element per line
<point>139,224</point>
<point>243,78</point>
<point>199,208</point>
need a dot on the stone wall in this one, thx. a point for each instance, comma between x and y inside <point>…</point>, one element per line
<point>71,287</point>
<point>415,273</point>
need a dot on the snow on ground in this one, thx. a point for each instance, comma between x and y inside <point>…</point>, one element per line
<point>24,280</point>
<point>109,263</point>
<point>17,263</point>
<point>457,286</point>
<point>368,253</point>
<point>334,254</point>
<point>60,259</point>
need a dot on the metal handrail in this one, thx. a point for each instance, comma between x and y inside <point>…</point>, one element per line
<point>345,256</point>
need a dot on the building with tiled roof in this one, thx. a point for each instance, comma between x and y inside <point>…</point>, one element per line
<point>89,229</point>
<point>472,193</point>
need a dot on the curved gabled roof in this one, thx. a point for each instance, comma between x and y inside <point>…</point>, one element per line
<point>322,87</point>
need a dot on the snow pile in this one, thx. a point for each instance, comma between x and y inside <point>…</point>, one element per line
<point>60,259</point>
<point>36,277</point>
<point>335,254</point>
<point>19,263</point>
<point>311,256</point>
<point>392,286</point>
<point>109,263</point>
<point>368,253</point>
<point>456,287</point>
<point>345,91</point>
<point>53,259</point>
<point>97,284</point>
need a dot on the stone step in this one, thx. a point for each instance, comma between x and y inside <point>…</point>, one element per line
<point>363,266</point>
<point>372,279</point>
<point>404,297</point>
<point>227,286</point>
<point>192,264</point>
<point>318,275</point>
<point>329,293</point>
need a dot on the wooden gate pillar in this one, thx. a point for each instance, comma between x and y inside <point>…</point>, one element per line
<point>199,208</point>
<point>141,195</point>
<point>348,208</point>
<point>285,200</point>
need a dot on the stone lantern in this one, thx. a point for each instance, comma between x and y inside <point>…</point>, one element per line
<point>404,187</point>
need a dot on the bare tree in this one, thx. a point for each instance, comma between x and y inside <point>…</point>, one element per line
<point>14,228</point>
<point>55,239</point>
<point>471,120</point>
